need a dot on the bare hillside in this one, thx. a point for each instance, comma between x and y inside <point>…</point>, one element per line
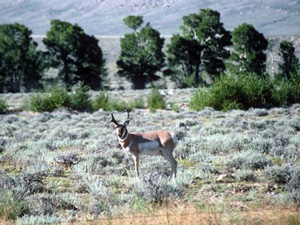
<point>104,17</point>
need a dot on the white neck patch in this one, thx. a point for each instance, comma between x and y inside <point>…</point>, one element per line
<point>123,139</point>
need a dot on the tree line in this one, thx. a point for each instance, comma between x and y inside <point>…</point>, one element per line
<point>198,55</point>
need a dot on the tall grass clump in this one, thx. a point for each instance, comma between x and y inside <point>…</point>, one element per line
<point>54,97</point>
<point>102,101</point>
<point>155,101</point>
<point>12,208</point>
<point>120,105</point>
<point>138,103</point>
<point>3,106</point>
<point>240,91</point>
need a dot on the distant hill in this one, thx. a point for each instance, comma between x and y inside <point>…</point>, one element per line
<point>104,17</point>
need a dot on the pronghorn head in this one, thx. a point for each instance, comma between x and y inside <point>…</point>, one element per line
<point>121,127</point>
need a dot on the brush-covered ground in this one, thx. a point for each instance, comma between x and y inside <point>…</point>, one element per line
<point>238,167</point>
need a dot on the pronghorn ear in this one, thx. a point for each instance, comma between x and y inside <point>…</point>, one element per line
<point>126,123</point>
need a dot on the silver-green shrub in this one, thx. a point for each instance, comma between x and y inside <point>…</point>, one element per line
<point>248,160</point>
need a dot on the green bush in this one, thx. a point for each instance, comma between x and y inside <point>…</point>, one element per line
<point>230,105</point>
<point>120,106</point>
<point>57,96</point>
<point>281,93</point>
<point>79,98</point>
<point>138,103</point>
<point>155,101</point>
<point>256,91</point>
<point>102,101</point>
<point>286,92</point>
<point>201,98</point>
<point>243,91</point>
<point>3,106</point>
<point>174,107</point>
<point>54,97</point>
<point>234,92</point>
<point>40,103</point>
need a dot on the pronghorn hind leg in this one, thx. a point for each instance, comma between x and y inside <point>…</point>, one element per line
<point>168,155</point>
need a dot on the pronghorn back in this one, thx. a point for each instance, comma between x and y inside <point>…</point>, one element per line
<point>164,138</point>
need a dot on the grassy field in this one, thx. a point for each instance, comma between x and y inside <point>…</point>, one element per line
<point>238,167</point>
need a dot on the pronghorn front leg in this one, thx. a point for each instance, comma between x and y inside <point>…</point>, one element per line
<point>168,155</point>
<point>136,164</point>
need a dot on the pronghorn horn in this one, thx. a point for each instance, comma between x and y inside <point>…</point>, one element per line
<point>128,118</point>
<point>113,119</point>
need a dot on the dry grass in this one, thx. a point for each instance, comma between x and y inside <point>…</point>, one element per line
<point>5,222</point>
<point>189,215</point>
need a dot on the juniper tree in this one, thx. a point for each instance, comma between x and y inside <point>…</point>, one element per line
<point>289,64</point>
<point>141,54</point>
<point>133,22</point>
<point>21,64</point>
<point>77,55</point>
<point>184,57</point>
<point>205,39</point>
<point>249,48</point>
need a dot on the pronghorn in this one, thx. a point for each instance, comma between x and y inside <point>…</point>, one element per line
<point>146,143</point>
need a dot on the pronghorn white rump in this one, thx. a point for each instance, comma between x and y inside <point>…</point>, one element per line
<point>146,143</point>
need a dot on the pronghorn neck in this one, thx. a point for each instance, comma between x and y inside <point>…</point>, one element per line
<point>126,140</point>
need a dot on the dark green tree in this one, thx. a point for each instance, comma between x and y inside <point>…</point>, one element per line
<point>75,54</point>
<point>21,65</point>
<point>141,56</point>
<point>90,68</point>
<point>133,22</point>
<point>289,64</point>
<point>184,57</point>
<point>207,39</point>
<point>215,39</point>
<point>249,48</point>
